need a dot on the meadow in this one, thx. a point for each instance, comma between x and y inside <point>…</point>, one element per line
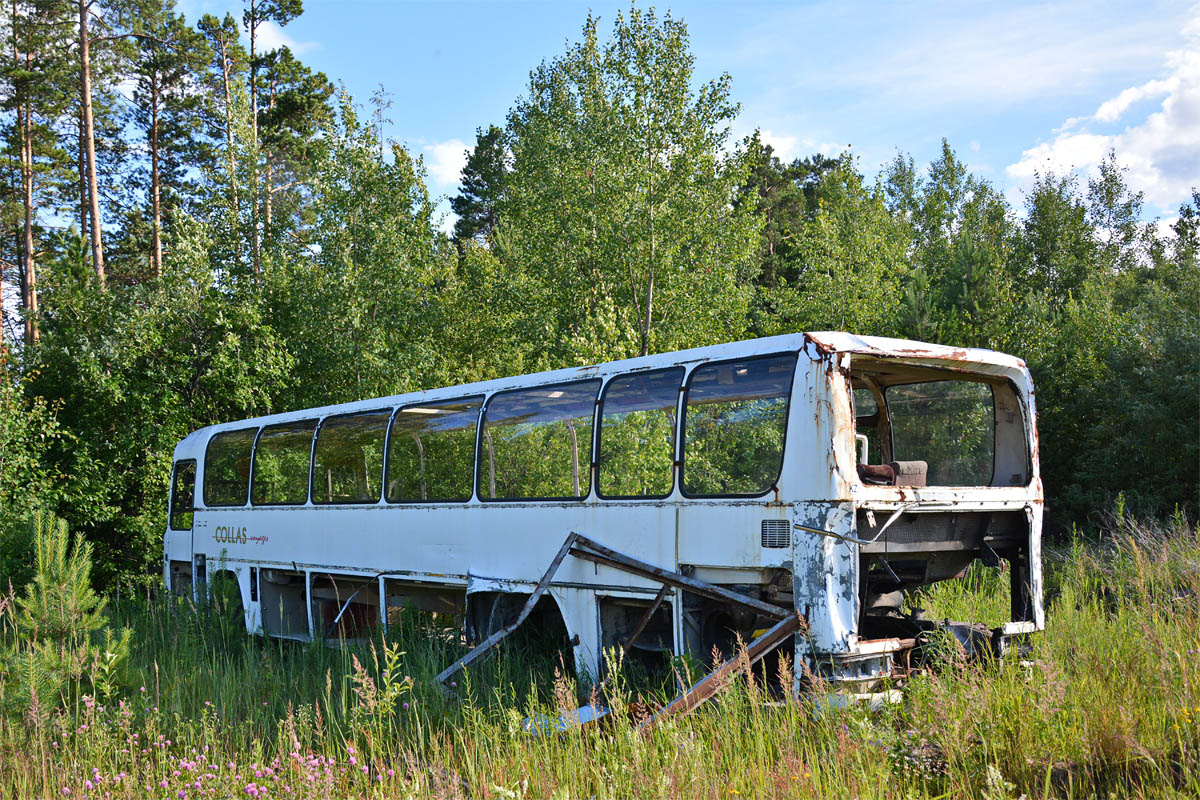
<point>1106,704</point>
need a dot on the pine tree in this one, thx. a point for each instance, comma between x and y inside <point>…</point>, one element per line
<point>482,188</point>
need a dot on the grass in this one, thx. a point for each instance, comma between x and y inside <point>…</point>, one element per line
<point>1107,704</point>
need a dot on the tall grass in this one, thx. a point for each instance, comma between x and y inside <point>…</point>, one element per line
<point>1106,704</point>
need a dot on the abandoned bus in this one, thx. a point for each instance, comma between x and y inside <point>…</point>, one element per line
<point>818,476</point>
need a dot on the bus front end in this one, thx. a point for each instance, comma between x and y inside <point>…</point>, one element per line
<point>931,465</point>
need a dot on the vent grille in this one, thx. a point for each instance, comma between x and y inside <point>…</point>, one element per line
<point>776,533</point>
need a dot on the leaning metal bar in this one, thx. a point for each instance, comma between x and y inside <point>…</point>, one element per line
<point>711,683</point>
<point>338,618</point>
<point>854,539</point>
<point>641,625</point>
<point>591,551</point>
<point>487,644</point>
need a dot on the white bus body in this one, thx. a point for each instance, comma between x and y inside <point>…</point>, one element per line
<point>836,540</point>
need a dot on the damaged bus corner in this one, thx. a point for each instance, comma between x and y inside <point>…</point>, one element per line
<point>931,462</point>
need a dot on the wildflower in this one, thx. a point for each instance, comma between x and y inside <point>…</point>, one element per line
<point>353,761</point>
<point>364,769</point>
<point>405,706</point>
<point>66,791</point>
<point>142,689</point>
<point>391,772</point>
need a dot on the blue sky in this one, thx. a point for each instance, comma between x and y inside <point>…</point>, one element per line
<point>1015,87</point>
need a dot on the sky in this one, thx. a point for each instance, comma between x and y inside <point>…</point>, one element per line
<point>1016,88</point>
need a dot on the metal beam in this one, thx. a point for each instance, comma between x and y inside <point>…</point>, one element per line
<point>587,549</point>
<point>487,644</point>
<point>710,684</point>
<point>641,625</point>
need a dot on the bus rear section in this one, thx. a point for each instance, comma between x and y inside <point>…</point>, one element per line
<point>934,467</point>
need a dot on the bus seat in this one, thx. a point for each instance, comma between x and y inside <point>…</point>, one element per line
<point>877,474</point>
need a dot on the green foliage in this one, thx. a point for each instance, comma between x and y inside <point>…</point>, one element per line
<point>48,636</point>
<point>619,202</point>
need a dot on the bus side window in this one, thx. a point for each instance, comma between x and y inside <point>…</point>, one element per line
<point>431,452</point>
<point>183,495</point>
<point>537,443</point>
<point>227,468</point>
<point>734,426</point>
<point>637,434</point>
<point>281,461</point>
<point>348,459</point>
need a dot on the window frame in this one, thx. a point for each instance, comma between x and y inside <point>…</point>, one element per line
<point>787,414</point>
<point>991,384</point>
<point>599,426</point>
<point>171,499</point>
<point>312,461</point>
<point>387,448</point>
<point>587,494</point>
<point>208,451</point>
<point>254,463</point>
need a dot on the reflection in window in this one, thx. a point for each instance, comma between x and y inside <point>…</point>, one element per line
<point>431,452</point>
<point>948,425</point>
<point>348,459</point>
<point>734,425</point>
<point>281,461</point>
<point>227,468</point>
<point>637,434</point>
<point>183,495</point>
<point>866,424</point>
<point>537,443</point>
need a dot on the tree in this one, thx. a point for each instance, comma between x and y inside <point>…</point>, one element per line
<point>296,115</point>
<point>477,204</point>
<point>38,78</point>
<point>620,199</point>
<point>226,120</point>
<point>257,13</point>
<point>357,298</point>
<point>89,139</point>
<point>165,109</point>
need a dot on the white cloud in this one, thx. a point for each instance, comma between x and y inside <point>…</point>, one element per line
<point>784,146</point>
<point>272,37</point>
<point>1161,152</point>
<point>445,161</point>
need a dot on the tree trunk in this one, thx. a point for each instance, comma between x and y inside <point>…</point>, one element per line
<point>83,190</point>
<point>155,186</point>
<point>85,93</point>
<point>29,304</point>
<point>254,135</point>
<point>650,280</point>
<point>29,298</point>
<point>267,184</point>
<point>226,68</point>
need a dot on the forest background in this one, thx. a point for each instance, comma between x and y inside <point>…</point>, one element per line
<point>202,231</point>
